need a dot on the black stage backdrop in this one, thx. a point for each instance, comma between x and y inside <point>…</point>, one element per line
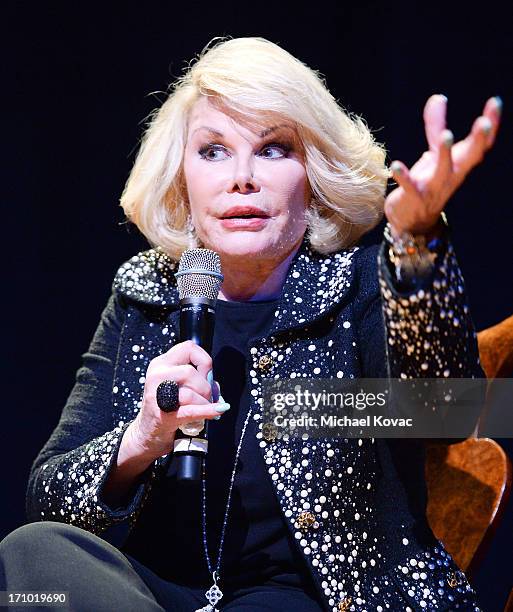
<point>78,82</point>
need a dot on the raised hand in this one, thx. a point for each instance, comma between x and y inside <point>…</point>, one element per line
<point>424,189</point>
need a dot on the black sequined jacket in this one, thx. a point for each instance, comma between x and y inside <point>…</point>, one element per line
<point>354,507</point>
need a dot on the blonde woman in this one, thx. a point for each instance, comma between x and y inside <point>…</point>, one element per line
<point>252,157</point>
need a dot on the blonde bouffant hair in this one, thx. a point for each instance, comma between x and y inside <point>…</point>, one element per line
<point>256,81</point>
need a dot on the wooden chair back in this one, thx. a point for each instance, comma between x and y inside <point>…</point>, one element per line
<point>468,488</point>
<point>469,483</point>
<point>496,349</point>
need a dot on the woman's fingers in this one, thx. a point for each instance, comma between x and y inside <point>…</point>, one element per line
<point>435,112</point>
<point>186,395</point>
<point>155,431</point>
<point>493,111</point>
<point>184,376</point>
<point>471,150</point>
<point>443,165</point>
<point>188,352</point>
<point>402,176</point>
<point>193,412</point>
<point>440,139</point>
<point>398,215</point>
<point>411,206</point>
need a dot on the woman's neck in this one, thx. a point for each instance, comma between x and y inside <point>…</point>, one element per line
<point>263,280</point>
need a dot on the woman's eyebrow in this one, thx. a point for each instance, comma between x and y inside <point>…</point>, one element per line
<point>272,129</point>
<point>209,129</point>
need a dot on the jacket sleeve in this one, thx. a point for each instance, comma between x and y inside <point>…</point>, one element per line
<point>429,331</point>
<point>66,479</point>
<point>425,333</point>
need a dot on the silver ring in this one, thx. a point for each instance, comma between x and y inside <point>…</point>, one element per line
<point>167,396</point>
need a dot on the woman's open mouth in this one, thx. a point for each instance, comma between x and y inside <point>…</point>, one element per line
<point>244,217</point>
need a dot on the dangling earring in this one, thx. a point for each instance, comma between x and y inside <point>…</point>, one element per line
<point>192,242</point>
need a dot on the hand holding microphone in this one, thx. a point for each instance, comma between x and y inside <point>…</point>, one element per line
<point>199,279</point>
<point>187,365</point>
<point>177,392</point>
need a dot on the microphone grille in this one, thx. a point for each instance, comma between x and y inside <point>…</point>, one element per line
<point>199,274</point>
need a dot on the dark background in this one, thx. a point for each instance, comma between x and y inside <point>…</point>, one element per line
<point>78,83</point>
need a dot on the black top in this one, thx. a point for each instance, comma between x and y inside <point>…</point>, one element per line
<point>258,548</point>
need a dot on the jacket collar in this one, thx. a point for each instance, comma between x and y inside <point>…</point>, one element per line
<point>314,283</point>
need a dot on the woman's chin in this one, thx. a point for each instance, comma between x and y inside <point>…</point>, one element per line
<point>244,244</point>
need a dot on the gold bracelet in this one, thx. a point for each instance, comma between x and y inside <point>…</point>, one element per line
<point>413,256</point>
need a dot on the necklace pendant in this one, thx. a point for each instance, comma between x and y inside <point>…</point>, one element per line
<point>214,594</point>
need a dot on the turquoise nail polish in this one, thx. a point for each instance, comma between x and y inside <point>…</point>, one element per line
<point>486,126</point>
<point>444,97</point>
<point>223,407</point>
<point>498,103</point>
<point>210,377</point>
<point>448,138</point>
<point>216,418</point>
<point>396,168</point>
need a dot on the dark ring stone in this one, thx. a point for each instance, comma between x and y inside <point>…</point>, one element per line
<point>167,396</point>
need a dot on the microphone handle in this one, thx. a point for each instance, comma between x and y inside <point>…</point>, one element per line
<point>197,319</point>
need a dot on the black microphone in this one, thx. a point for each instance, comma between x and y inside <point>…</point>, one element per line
<point>199,279</point>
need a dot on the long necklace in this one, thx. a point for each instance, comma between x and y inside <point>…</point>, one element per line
<point>214,593</point>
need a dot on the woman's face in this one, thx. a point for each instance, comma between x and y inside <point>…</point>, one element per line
<point>247,191</point>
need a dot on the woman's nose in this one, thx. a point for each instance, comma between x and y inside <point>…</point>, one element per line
<point>243,180</point>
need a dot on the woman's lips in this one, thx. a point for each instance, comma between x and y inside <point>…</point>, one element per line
<point>244,223</point>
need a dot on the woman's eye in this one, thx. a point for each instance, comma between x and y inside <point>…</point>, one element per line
<point>215,152</point>
<point>209,152</point>
<point>281,149</point>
